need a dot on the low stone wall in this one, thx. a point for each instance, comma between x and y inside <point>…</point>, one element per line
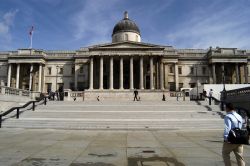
<point>118,95</point>
<point>121,95</point>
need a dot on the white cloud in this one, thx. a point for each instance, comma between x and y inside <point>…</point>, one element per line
<point>227,27</point>
<point>6,22</point>
<point>94,22</point>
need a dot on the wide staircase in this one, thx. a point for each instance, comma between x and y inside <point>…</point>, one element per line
<point>170,115</point>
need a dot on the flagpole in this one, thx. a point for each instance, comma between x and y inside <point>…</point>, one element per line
<point>31,36</point>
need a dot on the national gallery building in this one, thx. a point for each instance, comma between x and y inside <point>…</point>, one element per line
<point>124,64</point>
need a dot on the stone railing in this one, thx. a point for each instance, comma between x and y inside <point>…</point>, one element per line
<point>18,92</point>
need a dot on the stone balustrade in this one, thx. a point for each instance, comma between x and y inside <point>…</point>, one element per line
<point>4,90</point>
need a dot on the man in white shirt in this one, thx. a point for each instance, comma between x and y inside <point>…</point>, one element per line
<point>232,120</point>
<point>210,96</point>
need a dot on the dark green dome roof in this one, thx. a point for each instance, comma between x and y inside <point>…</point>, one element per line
<point>126,25</point>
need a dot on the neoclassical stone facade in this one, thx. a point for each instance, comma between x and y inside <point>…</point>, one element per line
<point>125,64</point>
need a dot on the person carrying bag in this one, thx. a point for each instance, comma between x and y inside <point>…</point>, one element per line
<point>234,136</point>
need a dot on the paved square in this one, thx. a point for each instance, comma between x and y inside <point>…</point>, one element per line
<point>49,147</point>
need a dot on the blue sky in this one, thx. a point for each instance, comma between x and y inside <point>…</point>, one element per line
<point>71,24</point>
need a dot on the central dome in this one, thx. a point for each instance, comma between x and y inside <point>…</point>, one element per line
<point>126,30</point>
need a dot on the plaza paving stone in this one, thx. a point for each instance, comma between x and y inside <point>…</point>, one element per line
<point>49,147</point>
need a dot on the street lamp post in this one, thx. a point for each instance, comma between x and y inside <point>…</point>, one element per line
<point>223,98</point>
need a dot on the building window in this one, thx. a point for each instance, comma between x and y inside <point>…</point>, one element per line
<point>179,70</point>
<point>81,69</point>
<point>72,86</point>
<point>60,87</point>
<point>171,86</point>
<point>192,85</point>
<point>72,70</point>
<point>180,86</point>
<point>49,70</point>
<point>49,87</point>
<point>126,37</point>
<point>60,70</point>
<point>171,69</point>
<point>191,70</point>
<point>136,38</point>
<point>204,70</point>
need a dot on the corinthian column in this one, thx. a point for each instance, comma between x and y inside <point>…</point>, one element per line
<point>101,73</point>
<point>151,73</point>
<point>40,78</point>
<point>9,75</point>
<point>31,70</point>
<point>237,73</point>
<point>214,73</point>
<point>121,72</point>
<point>111,73</point>
<point>131,73</point>
<point>17,76</point>
<point>176,77</point>
<point>161,76</point>
<point>141,73</point>
<point>91,68</point>
<point>246,74</point>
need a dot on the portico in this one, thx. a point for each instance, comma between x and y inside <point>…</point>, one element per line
<point>109,72</point>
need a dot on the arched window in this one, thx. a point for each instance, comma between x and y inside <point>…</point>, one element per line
<point>126,37</point>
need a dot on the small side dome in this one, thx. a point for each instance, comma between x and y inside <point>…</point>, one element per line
<point>126,30</point>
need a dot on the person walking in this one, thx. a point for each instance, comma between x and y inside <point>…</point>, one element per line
<point>210,96</point>
<point>136,95</point>
<point>232,120</point>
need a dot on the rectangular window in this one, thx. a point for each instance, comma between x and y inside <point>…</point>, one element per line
<point>81,69</point>
<point>60,70</point>
<point>72,70</point>
<point>192,85</point>
<point>204,70</point>
<point>49,70</point>
<point>180,86</point>
<point>72,86</point>
<point>191,70</point>
<point>60,87</point>
<point>48,87</point>
<point>171,69</point>
<point>179,70</point>
<point>171,86</point>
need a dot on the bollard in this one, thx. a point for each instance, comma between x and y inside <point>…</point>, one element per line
<point>17,113</point>
<point>33,106</point>
<point>45,100</point>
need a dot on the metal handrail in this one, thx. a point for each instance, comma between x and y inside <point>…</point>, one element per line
<point>18,108</point>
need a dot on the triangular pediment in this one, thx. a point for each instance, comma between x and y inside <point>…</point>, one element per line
<point>126,45</point>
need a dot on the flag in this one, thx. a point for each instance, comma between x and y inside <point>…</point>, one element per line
<point>31,30</point>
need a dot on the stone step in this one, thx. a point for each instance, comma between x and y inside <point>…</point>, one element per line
<point>120,114</point>
<point>115,124</point>
<point>128,108</point>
